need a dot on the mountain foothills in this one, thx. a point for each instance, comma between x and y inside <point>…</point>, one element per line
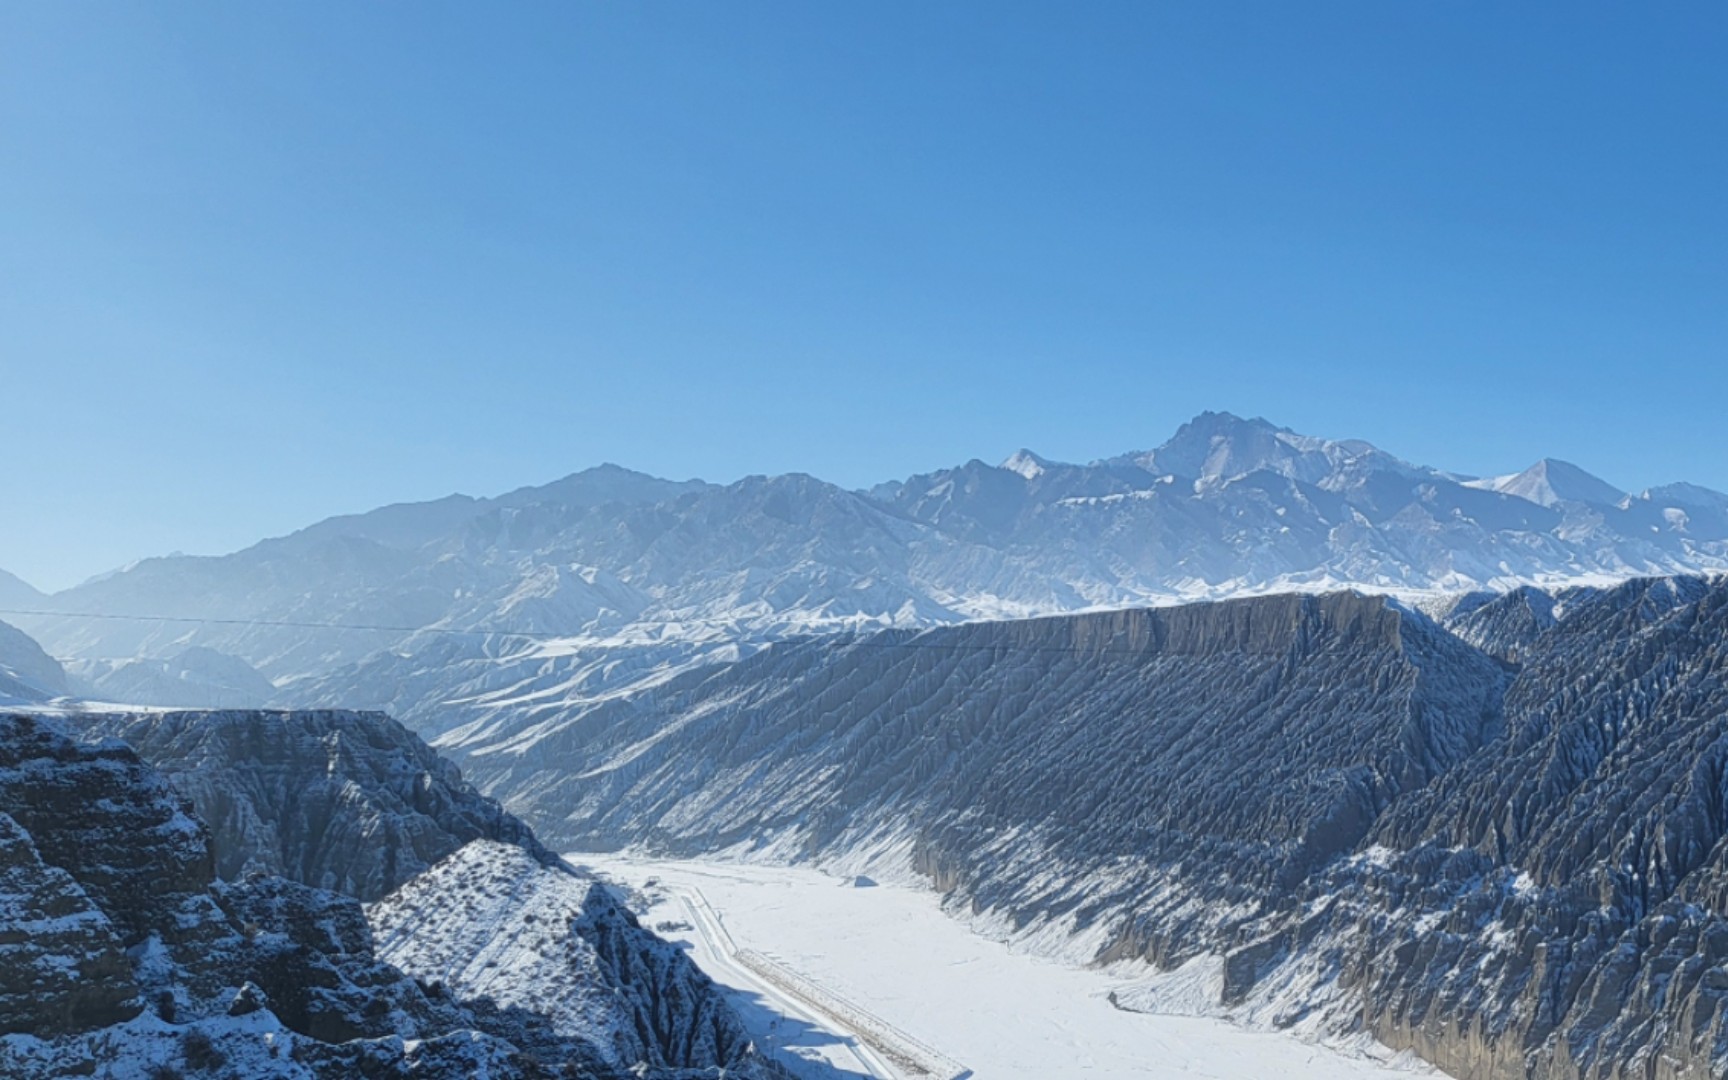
<point>477,607</point>
<point>145,935</point>
<point>1495,833</point>
<point>27,674</point>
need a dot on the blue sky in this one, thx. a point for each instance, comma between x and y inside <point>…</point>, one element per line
<point>264,263</point>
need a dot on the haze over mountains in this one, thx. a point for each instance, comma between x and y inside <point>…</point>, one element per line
<point>15,592</point>
<point>1224,507</point>
<point>27,674</point>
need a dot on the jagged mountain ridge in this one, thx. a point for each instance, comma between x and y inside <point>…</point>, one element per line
<point>1498,838</point>
<point>610,559</point>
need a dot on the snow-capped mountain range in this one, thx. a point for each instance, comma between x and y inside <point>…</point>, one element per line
<point>458,607</point>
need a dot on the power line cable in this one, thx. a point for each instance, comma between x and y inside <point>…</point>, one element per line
<point>872,640</point>
<point>290,624</point>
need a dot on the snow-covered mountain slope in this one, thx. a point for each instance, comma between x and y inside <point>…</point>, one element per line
<point>355,803</point>
<point>616,577</point>
<point>1231,505</point>
<point>493,923</point>
<point>27,674</point>
<point>809,740</point>
<point>1688,506</point>
<point>1550,482</point>
<point>195,677</point>
<point>1503,847</point>
<point>124,957</point>
<point>397,569</point>
<point>15,592</point>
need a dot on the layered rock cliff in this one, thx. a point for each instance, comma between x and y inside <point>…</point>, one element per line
<point>355,804</point>
<point>352,802</point>
<point>124,954</point>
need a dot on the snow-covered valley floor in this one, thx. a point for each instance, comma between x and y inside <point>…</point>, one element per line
<point>890,950</point>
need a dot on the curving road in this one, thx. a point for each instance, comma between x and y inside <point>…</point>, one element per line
<point>782,1021</point>
<point>1006,1014</point>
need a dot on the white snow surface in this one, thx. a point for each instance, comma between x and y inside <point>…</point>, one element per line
<point>1029,465</point>
<point>490,922</point>
<point>1001,1011</point>
<point>253,1045</point>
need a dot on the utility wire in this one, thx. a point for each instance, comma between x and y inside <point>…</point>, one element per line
<point>283,623</point>
<point>857,641</point>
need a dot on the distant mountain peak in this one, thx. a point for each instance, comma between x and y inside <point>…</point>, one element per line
<point>1026,463</point>
<point>1211,426</point>
<point>1552,481</point>
<point>601,484</point>
<point>606,470</point>
<point>610,469</point>
<point>1215,447</point>
<point>1225,419</point>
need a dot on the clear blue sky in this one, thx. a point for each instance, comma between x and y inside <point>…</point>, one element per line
<point>262,263</point>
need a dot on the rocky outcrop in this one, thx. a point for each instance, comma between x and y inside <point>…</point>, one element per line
<point>492,924</point>
<point>1582,925</point>
<point>103,816</point>
<point>1499,839</point>
<point>122,949</point>
<point>351,802</point>
<point>309,811</point>
<point>677,1015</point>
<point>62,967</point>
<point>123,954</point>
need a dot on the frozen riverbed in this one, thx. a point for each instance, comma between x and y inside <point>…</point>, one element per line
<point>890,951</point>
